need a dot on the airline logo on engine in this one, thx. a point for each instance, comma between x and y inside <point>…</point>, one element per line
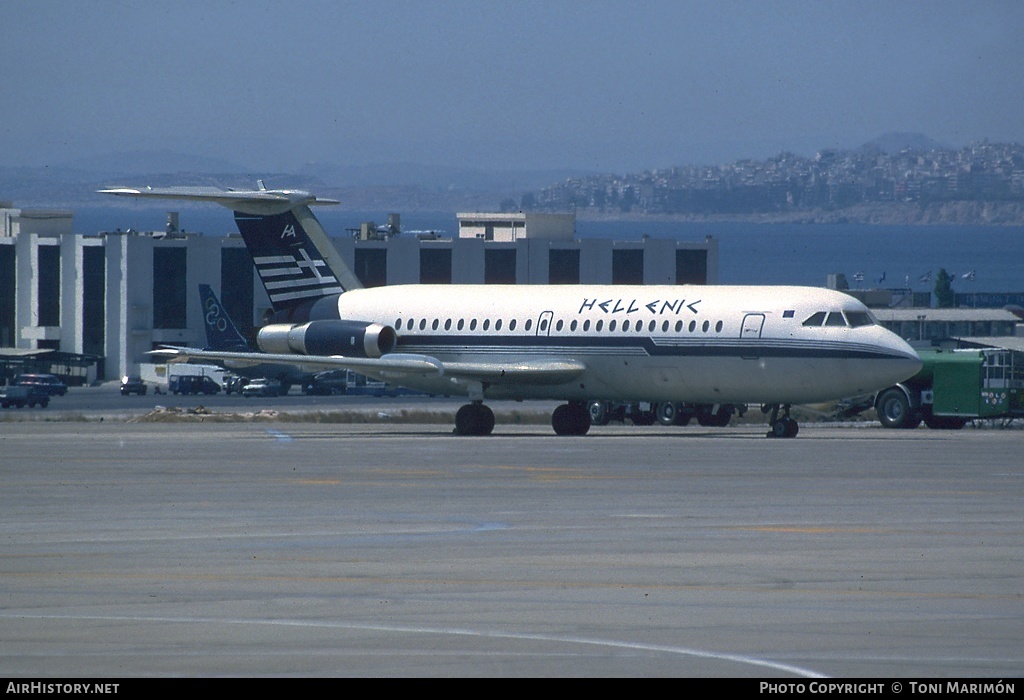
<point>289,231</point>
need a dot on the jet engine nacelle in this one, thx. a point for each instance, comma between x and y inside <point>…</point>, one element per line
<point>347,338</point>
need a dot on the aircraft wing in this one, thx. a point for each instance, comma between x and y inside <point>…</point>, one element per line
<point>512,373</point>
<point>396,366</point>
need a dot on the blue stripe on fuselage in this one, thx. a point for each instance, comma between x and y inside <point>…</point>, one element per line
<point>605,345</point>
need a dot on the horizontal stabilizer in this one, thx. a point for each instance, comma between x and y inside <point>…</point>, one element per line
<point>394,365</point>
<point>260,201</point>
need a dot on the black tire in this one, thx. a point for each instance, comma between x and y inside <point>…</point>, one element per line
<point>667,413</point>
<point>714,420</point>
<point>571,419</point>
<point>474,419</point>
<point>894,410</point>
<point>643,418</point>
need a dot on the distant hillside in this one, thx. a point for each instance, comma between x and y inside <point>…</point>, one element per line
<point>833,187</point>
<point>896,142</point>
<point>400,186</point>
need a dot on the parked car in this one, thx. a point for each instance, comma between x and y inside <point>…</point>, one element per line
<point>22,396</point>
<point>50,383</point>
<point>327,383</point>
<point>192,384</point>
<point>233,384</point>
<point>133,385</point>
<point>262,387</point>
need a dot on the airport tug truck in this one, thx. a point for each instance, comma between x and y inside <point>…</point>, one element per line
<point>956,386</point>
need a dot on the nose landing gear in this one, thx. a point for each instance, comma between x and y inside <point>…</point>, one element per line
<point>784,427</point>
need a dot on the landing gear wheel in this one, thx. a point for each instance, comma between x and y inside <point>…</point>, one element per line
<point>598,413</point>
<point>571,419</point>
<point>669,413</point>
<point>784,428</point>
<point>709,418</point>
<point>474,419</point>
<point>643,418</point>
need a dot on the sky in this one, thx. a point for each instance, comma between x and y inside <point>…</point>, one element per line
<point>597,85</point>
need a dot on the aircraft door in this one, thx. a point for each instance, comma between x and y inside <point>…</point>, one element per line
<point>544,322</point>
<point>752,326</point>
<point>751,329</point>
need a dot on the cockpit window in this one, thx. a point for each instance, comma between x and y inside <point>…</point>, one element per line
<point>859,318</point>
<point>836,319</point>
<point>816,319</point>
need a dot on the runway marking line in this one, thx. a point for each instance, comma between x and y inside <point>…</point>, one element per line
<point>453,631</point>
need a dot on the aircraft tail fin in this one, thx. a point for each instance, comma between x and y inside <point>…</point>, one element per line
<point>221,332</point>
<point>293,255</point>
<point>295,264</point>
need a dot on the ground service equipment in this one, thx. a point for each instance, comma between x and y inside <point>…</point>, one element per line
<point>956,386</point>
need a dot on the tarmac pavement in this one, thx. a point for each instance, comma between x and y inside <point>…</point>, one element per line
<point>246,549</point>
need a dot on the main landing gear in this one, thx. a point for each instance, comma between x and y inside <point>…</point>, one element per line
<point>784,427</point>
<point>571,418</point>
<point>474,419</point>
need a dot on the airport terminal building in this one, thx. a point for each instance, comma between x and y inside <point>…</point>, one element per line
<point>91,306</point>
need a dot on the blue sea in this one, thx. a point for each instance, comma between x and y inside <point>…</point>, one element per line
<point>805,254</point>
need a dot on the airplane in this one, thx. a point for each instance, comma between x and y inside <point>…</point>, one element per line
<point>705,346</point>
<point>221,331</point>
<point>223,334</point>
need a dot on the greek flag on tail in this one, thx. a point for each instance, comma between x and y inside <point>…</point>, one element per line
<point>293,255</point>
<point>292,269</point>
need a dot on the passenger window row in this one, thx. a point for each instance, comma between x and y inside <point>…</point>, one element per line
<point>574,325</point>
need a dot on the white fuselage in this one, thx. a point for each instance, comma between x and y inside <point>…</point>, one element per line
<point>699,344</point>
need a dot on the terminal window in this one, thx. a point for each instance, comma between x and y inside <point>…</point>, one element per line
<point>7,288</point>
<point>691,267</point>
<point>371,266</point>
<point>169,298</point>
<point>564,266</point>
<point>236,287</point>
<point>500,266</point>
<point>436,266</point>
<point>94,307</point>
<point>49,285</point>
<point>627,267</point>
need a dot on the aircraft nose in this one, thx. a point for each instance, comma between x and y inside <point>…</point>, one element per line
<point>905,362</point>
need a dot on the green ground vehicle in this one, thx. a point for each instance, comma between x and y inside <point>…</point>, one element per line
<point>956,386</point>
